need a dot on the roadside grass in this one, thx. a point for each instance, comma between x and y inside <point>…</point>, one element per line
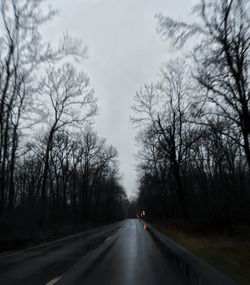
<point>229,254</point>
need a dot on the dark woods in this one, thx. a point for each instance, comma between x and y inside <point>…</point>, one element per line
<point>194,124</point>
<point>193,127</point>
<point>54,169</point>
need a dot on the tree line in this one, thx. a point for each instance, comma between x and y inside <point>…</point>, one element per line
<point>54,168</point>
<point>194,122</point>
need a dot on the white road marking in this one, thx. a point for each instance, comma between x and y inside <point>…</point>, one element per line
<point>108,238</point>
<point>53,281</point>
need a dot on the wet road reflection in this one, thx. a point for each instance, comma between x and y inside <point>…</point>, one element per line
<point>132,259</point>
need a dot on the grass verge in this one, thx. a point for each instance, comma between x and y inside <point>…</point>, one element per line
<point>229,254</point>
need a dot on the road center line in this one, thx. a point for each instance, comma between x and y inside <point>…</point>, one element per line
<point>53,281</point>
<point>108,238</point>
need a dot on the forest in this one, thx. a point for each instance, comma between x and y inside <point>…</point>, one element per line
<point>173,206</point>
<point>193,124</point>
<point>56,174</point>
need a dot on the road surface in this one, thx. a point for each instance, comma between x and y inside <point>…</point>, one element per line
<point>122,253</point>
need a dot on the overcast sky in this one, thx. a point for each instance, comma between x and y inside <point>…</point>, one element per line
<point>124,52</point>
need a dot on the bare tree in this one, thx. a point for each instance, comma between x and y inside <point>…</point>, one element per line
<point>45,105</point>
<point>194,126</point>
<point>222,57</point>
<point>165,108</point>
<point>71,104</point>
<point>22,53</point>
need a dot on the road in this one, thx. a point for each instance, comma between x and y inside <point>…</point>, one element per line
<point>122,253</point>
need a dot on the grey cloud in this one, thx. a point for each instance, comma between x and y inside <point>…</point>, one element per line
<point>124,53</point>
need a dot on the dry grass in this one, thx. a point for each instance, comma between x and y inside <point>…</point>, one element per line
<point>230,255</point>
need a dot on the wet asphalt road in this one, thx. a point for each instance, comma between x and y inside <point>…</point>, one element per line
<point>124,253</point>
<point>121,253</point>
<point>41,264</point>
<point>130,257</point>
